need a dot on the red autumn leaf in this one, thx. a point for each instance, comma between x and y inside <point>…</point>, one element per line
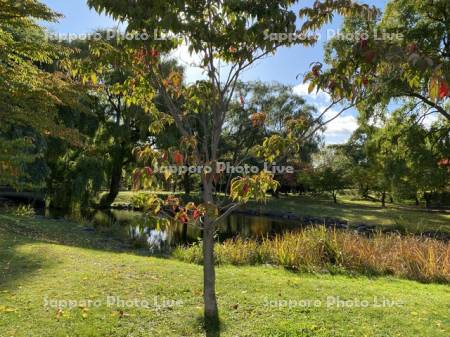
<point>196,214</point>
<point>363,43</point>
<point>365,81</point>
<point>182,217</point>
<point>242,100</point>
<point>148,171</point>
<point>178,158</point>
<point>444,90</point>
<point>258,119</point>
<point>245,189</point>
<point>154,53</point>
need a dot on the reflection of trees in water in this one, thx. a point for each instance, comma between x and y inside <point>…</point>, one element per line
<point>136,226</point>
<point>260,226</point>
<point>157,240</point>
<point>246,226</point>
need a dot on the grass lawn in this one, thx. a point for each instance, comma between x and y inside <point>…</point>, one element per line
<point>355,211</point>
<point>56,260</point>
<point>363,211</point>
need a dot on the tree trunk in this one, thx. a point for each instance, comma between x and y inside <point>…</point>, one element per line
<point>427,197</point>
<point>174,186</point>
<point>334,197</point>
<point>383,199</point>
<point>209,273</point>
<point>365,191</point>
<point>184,237</point>
<point>116,178</point>
<point>417,201</point>
<point>186,184</point>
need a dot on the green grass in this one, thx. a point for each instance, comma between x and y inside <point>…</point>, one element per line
<point>126,197</point>
<point>56,260</point>
<point>356,211</point>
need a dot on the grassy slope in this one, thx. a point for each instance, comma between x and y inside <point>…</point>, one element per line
<point>33,264</point>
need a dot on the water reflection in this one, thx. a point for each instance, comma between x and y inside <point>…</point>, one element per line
<point>143,232</point>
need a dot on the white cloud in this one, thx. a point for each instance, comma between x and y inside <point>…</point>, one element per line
<point>190,62</point>
<point>302,90</point>
<point>340,129</point>
<point>429,120</point>
<point>343,125</point>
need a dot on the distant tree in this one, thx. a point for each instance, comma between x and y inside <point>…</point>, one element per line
<point>331,171</point>
<point>270,107</point>
<point>419,152</point>
<point>106,68</point>
<point>401,158</point>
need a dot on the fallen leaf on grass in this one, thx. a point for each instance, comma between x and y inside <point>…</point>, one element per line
<point>59,313</point>
<point>4,309</point>
<point>122,314</point>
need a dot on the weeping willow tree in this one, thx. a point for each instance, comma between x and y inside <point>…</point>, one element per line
<point>30,96</point>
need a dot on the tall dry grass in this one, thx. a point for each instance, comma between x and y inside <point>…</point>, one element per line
<point>321,250</point>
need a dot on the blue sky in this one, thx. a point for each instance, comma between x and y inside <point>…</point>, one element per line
<point>283,67</point>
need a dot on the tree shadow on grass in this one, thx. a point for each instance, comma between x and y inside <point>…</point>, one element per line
<point>15,265</point>
<point>211,328</point>
<point>18,231</point>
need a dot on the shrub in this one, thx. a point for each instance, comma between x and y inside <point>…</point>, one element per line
<point>25,211</point>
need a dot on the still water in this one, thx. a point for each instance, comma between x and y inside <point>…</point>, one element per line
<point>135,227</point>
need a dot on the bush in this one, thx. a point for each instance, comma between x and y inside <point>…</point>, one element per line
<point>25,211</point>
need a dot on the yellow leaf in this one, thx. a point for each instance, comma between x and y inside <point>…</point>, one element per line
<point>433,88</point>
<point>94,78</point>
<point>167,174</point>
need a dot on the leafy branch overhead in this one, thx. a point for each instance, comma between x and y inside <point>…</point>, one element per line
<point>403,54</point>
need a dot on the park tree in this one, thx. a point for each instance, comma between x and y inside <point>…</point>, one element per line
<point>270,107</point>
<point>400,158</point>
<point>30,95</point>
<point>415,154</point>
<point>228,37</point>
<point>104,67</point>
<point>402,55</point>
<point>386,164</point>
<point>331,171</point>
<point>356,151</point>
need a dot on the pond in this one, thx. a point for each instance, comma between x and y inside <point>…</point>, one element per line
<point>136,227</point>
